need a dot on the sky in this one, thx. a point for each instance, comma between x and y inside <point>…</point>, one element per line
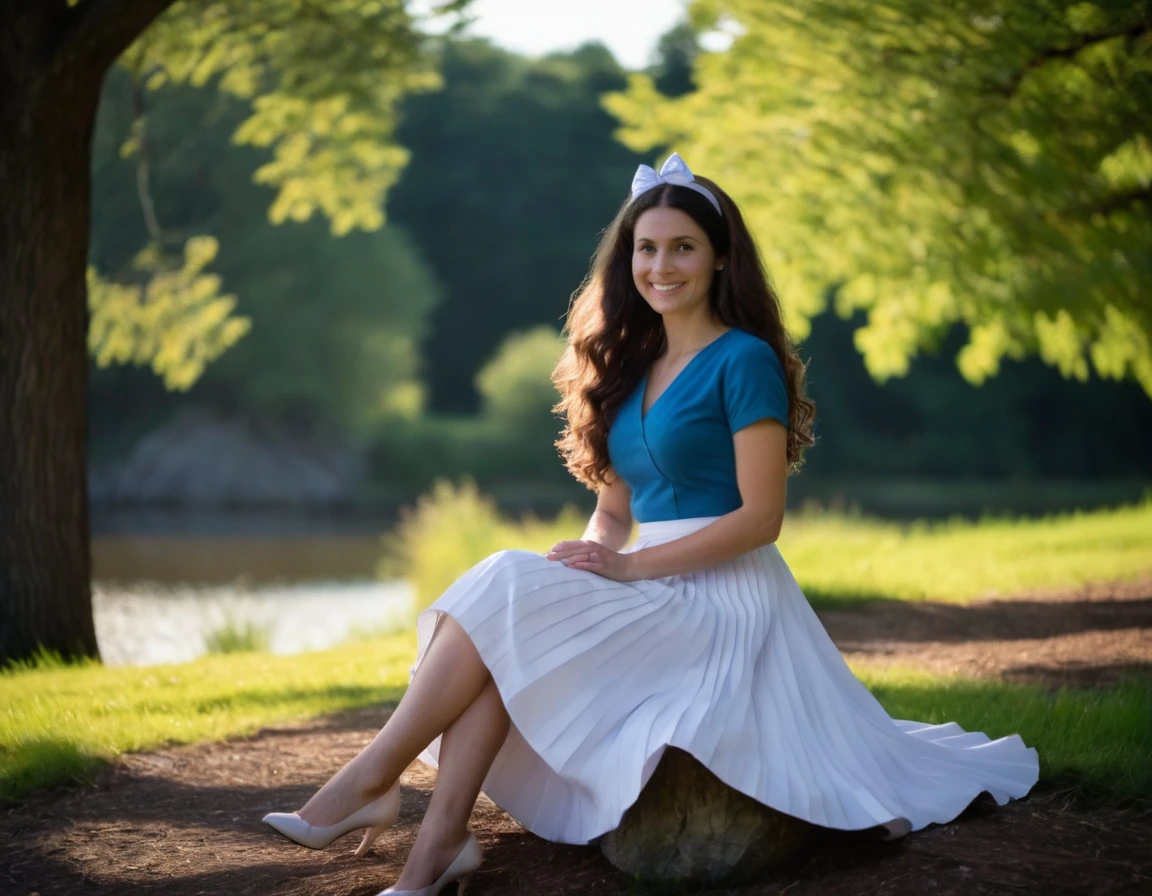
<point>629,28</point>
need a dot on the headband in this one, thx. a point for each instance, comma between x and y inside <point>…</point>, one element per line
<point>673,171</point>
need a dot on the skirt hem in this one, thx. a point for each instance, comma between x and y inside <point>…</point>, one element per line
<point>893,828</point>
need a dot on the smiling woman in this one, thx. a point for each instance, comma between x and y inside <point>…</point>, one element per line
<point>557,682</point>
<point>674,262</point>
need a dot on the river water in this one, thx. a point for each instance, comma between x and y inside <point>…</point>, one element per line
<point>159,598</point>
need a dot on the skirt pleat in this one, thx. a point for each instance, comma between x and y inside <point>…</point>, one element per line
<point>729,664</point>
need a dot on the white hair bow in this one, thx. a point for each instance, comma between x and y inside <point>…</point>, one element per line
<point>673,171</point>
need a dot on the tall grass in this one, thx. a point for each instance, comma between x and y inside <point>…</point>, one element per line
<point>237,635</point>
<point>833,556</point>
<point>453,528</point>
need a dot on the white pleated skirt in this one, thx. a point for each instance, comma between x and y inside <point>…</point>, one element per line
<point>728,663</point>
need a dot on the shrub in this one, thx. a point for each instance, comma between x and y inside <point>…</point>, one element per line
<point>455,527</point>
<point>516,382</point>
<point>236,635</point>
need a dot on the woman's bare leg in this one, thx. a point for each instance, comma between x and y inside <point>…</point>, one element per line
<point>466,753</point>
<point>448,681</point>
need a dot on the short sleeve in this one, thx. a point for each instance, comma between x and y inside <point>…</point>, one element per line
<point>754,387</point>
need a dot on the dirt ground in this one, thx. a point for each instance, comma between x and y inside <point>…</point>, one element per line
<point>186,821</point>
<point>1082,637</point>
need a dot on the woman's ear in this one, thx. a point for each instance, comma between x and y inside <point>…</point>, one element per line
<point>720,262</point>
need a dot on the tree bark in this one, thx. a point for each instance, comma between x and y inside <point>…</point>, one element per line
<point>53,57</point>
<point>47,114</point>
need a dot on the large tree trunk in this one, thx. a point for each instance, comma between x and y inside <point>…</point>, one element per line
<point>47,113</point>
<point>53,57</point>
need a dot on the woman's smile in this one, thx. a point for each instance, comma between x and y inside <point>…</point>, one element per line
<point>673,262</point>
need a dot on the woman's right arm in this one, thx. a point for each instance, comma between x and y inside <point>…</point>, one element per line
<point>611,521</point>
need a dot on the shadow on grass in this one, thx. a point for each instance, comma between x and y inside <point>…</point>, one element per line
<point>1078,675</point>
<point>45,761</point>
<point>880,617</point>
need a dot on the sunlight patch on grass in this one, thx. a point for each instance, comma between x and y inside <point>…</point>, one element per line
<point>57,722</point>
<point>844,557</point>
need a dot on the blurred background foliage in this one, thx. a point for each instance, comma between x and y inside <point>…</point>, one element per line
<point>983,163</point>
<point>954,203</point>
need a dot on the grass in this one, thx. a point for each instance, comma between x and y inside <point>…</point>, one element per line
<point>237,635</point>
<point>845,558</point>
<point>455,527</point>
<point>834,557</point>
<point>911,497</point>
<point>59,723</point>
<point>1097,740</point>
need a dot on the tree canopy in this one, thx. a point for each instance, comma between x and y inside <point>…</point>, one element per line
<point>335,321</point>
<point>984,162</point>
<point>319,86</point>
<point>354,330</point>
<point>322,81</point>
<point>514,172</point>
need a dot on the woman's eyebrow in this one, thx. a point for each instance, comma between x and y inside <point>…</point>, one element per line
<point>675,239</point>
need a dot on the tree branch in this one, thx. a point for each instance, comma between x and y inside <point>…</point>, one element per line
<point>144,161</point>
<point>100,30</point>
<point>1045,56</point>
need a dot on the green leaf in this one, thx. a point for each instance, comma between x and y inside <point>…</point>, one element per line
<point>981,162</point>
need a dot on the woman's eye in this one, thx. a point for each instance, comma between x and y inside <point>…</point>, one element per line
<point>687,246</point>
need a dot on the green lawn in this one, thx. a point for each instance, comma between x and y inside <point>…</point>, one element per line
<point>837,557</point>
<point>58,724</point>
<point>1100,740</point>
<point>834,557</point>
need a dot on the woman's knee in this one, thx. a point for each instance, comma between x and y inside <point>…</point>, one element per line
<point>451,641</point>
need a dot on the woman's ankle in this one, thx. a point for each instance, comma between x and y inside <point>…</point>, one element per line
<point>375,791</point>
<point>446,837</point>
<point>330,806</point>
<point>432,854</point>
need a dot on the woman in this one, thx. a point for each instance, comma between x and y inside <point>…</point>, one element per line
<point>556,682</point>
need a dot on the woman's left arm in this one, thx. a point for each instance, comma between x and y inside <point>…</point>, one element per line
<point>761,451</point>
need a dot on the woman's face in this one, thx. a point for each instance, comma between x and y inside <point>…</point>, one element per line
<point>673,261</point>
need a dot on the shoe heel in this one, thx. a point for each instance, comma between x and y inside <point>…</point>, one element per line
<point>370,836</point>
<point>464,878</point>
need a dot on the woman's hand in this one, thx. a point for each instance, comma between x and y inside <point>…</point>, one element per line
<point>594,557</point>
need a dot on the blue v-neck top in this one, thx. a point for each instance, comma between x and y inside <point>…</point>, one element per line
<point>679,459</point>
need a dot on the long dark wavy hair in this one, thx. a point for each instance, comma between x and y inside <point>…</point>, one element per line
<point>614,335</point>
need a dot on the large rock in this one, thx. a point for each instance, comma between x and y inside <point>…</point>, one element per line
<point>689,825</point>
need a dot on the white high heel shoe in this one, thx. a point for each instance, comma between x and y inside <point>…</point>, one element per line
<point>460,869</point>
<point>377,816</point>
